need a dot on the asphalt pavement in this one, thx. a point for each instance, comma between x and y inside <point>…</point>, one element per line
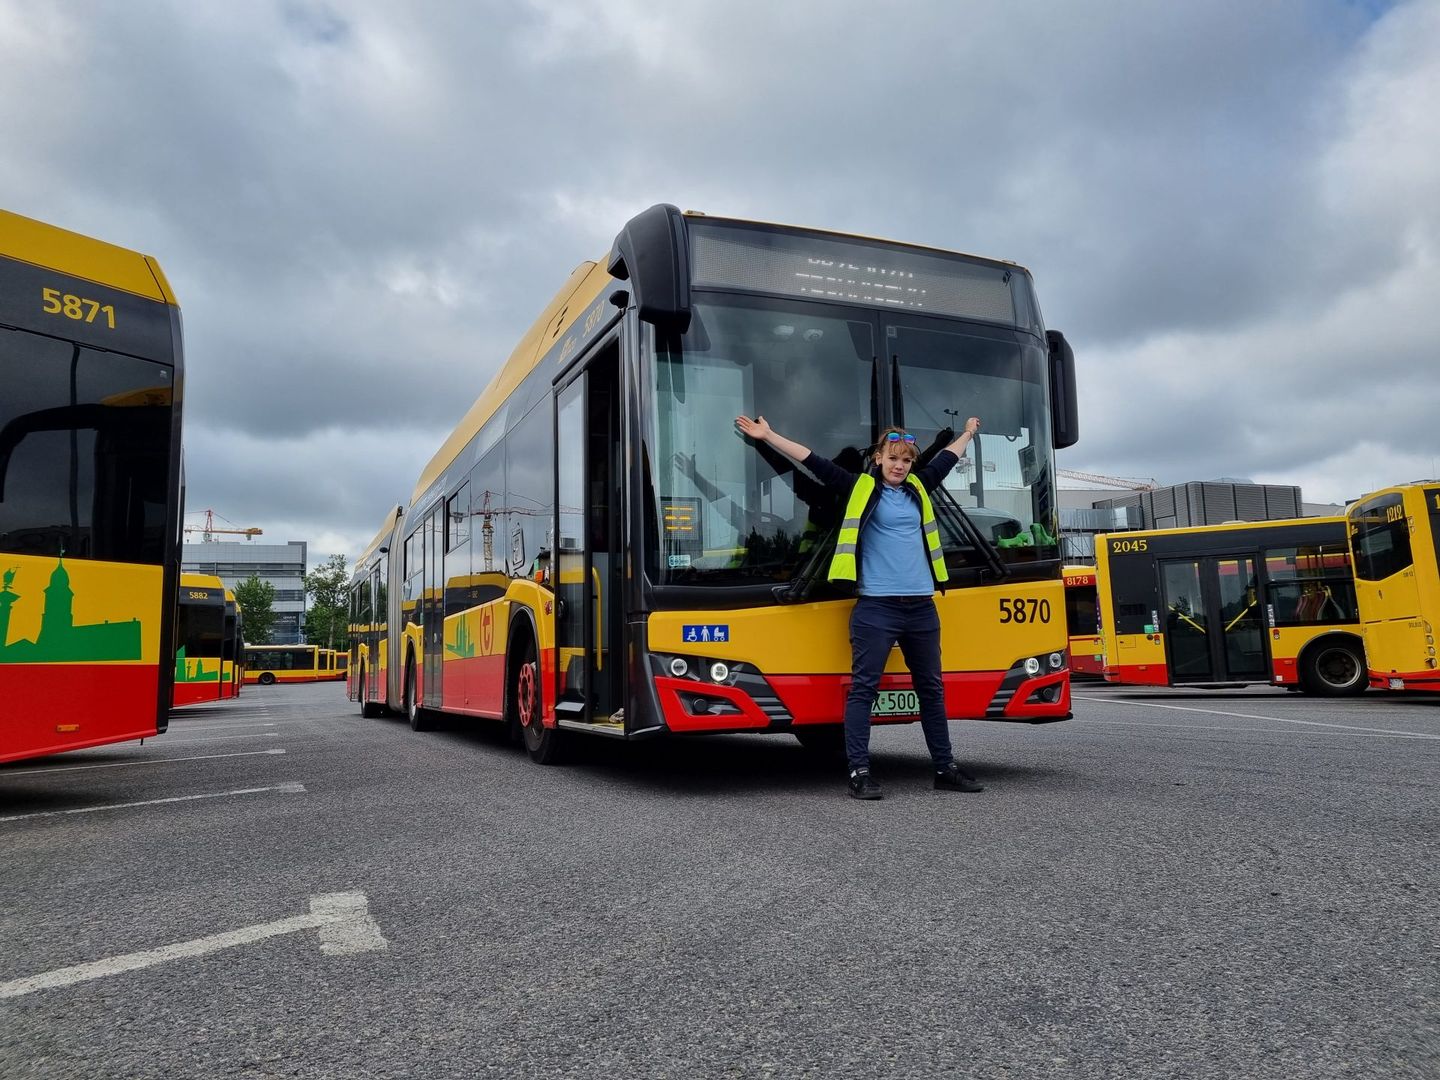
<point>1208,884</point>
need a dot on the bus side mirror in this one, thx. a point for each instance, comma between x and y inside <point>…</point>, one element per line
<point>1064,413</point>
<point>652,252</point>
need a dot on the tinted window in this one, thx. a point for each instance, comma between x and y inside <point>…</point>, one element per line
<point>1310,584</point>
<point>1380,538</point>
<point>84,451</point>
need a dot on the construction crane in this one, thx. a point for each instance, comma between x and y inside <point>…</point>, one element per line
<point>1129,483</point>
<point>208,530</point>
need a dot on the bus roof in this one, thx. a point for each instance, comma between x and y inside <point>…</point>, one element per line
<point>586,282</point>
<point>67,252</point>
<point>380,538</point>
<point>205,581</point>
<point>1229,526</point>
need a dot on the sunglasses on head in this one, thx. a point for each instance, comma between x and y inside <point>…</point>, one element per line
<point>899,436</point>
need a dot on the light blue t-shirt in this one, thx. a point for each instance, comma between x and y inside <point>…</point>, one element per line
<point>892,550</point>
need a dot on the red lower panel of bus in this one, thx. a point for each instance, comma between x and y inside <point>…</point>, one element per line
<point>1138,674</point>
<point>1413,680</point>
<point>1086,665</point>
<point>475,685</point>
<point>48,708</point>
<point>820,699</point>
<point>191,693</point>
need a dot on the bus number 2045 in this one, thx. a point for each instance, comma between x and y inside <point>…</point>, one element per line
<point>1022,610</point>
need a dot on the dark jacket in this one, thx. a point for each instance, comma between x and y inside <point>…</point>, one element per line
<point>841,481</point>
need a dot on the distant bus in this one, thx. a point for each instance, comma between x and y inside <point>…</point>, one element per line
<point>269,664</point>
<point>594,550</point>
<point>1395,545</point>
<point>342,665</point>
<point>1082,620</point>
<point>201,640</point>
<point>369,659</point>
<point>233,665</point>
<point>90,373</point>
<point>1229,605</point>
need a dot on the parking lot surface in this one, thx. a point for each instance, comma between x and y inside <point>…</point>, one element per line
<point>1210,884</point>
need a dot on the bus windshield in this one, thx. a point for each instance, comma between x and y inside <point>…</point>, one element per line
<point>730,512</point>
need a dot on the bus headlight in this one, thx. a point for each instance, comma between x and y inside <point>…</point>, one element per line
<point>1057,661</point>
<point>1032,665</point>
<point>679,668</point>
<point>719,671</point>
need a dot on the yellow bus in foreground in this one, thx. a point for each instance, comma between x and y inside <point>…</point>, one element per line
<point>90,378</point>
<point>1395,546</point>
<point>1227,605</point>
<point>595,549</point>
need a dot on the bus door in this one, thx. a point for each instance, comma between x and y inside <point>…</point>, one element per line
<point>590,564</point>
<point>1213,625</point>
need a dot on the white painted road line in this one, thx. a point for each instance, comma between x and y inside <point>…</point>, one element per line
<point>1276,719</point>
<point>343,920</point>
<point>1233,730</point>
<point>283,789</point>
<point>124,764</point>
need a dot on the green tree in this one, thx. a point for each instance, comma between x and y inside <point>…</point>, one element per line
<point>328,620</point>
<point>256,598</point>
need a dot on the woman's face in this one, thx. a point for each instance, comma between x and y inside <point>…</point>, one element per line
<point>894,461</point>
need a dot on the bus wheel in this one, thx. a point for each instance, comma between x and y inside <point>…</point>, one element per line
<point>1334,668</point>
<point>414,712</point>
<point>368,708</point>
<point>542,743</point>
<point>266,679</point>
<point>822,740</point>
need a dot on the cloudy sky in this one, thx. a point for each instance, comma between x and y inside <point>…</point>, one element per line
<point>1232,209</point>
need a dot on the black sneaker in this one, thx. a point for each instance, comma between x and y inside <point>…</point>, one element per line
<point>863,786</point>
<point>954,778</point>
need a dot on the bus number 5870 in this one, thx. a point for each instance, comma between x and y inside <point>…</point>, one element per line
<point>1022,610</point>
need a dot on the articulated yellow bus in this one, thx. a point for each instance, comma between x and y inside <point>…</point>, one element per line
<point>1228,605</point>
<point>1395,546</point>
<point>595,549</point>
<point>90,374</point>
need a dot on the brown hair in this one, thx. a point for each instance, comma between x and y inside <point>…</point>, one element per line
<point>902,444</point>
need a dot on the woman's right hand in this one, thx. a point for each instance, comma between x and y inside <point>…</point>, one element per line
<point>755,429</point>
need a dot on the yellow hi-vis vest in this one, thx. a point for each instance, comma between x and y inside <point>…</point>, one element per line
<point>843,567</point>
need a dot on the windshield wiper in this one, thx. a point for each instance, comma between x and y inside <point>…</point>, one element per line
<point>961,522</point>
<point>799,587</point>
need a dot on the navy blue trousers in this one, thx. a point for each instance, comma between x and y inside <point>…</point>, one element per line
<point>877,624</point>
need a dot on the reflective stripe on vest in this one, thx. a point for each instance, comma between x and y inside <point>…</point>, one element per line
<point>842,566</point>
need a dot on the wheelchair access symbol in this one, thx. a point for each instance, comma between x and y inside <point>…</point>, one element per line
<point>705,632</point>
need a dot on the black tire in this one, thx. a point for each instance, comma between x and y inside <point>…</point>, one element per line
<point>1334,667</point>
<point>368,708</point>
<point>526,704</point>
<point>266,679</point>
<point>414,712</point>
<point>822,740</point>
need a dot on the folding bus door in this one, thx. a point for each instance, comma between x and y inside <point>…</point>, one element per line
<point>1214,632</point>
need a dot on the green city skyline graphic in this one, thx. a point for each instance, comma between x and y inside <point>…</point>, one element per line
<point>59,639</point>
<point>185,674</point>
<point>464,645</point>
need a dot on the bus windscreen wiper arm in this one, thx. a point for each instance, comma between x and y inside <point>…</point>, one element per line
<point>946,505</point>
<point>798,588</point>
